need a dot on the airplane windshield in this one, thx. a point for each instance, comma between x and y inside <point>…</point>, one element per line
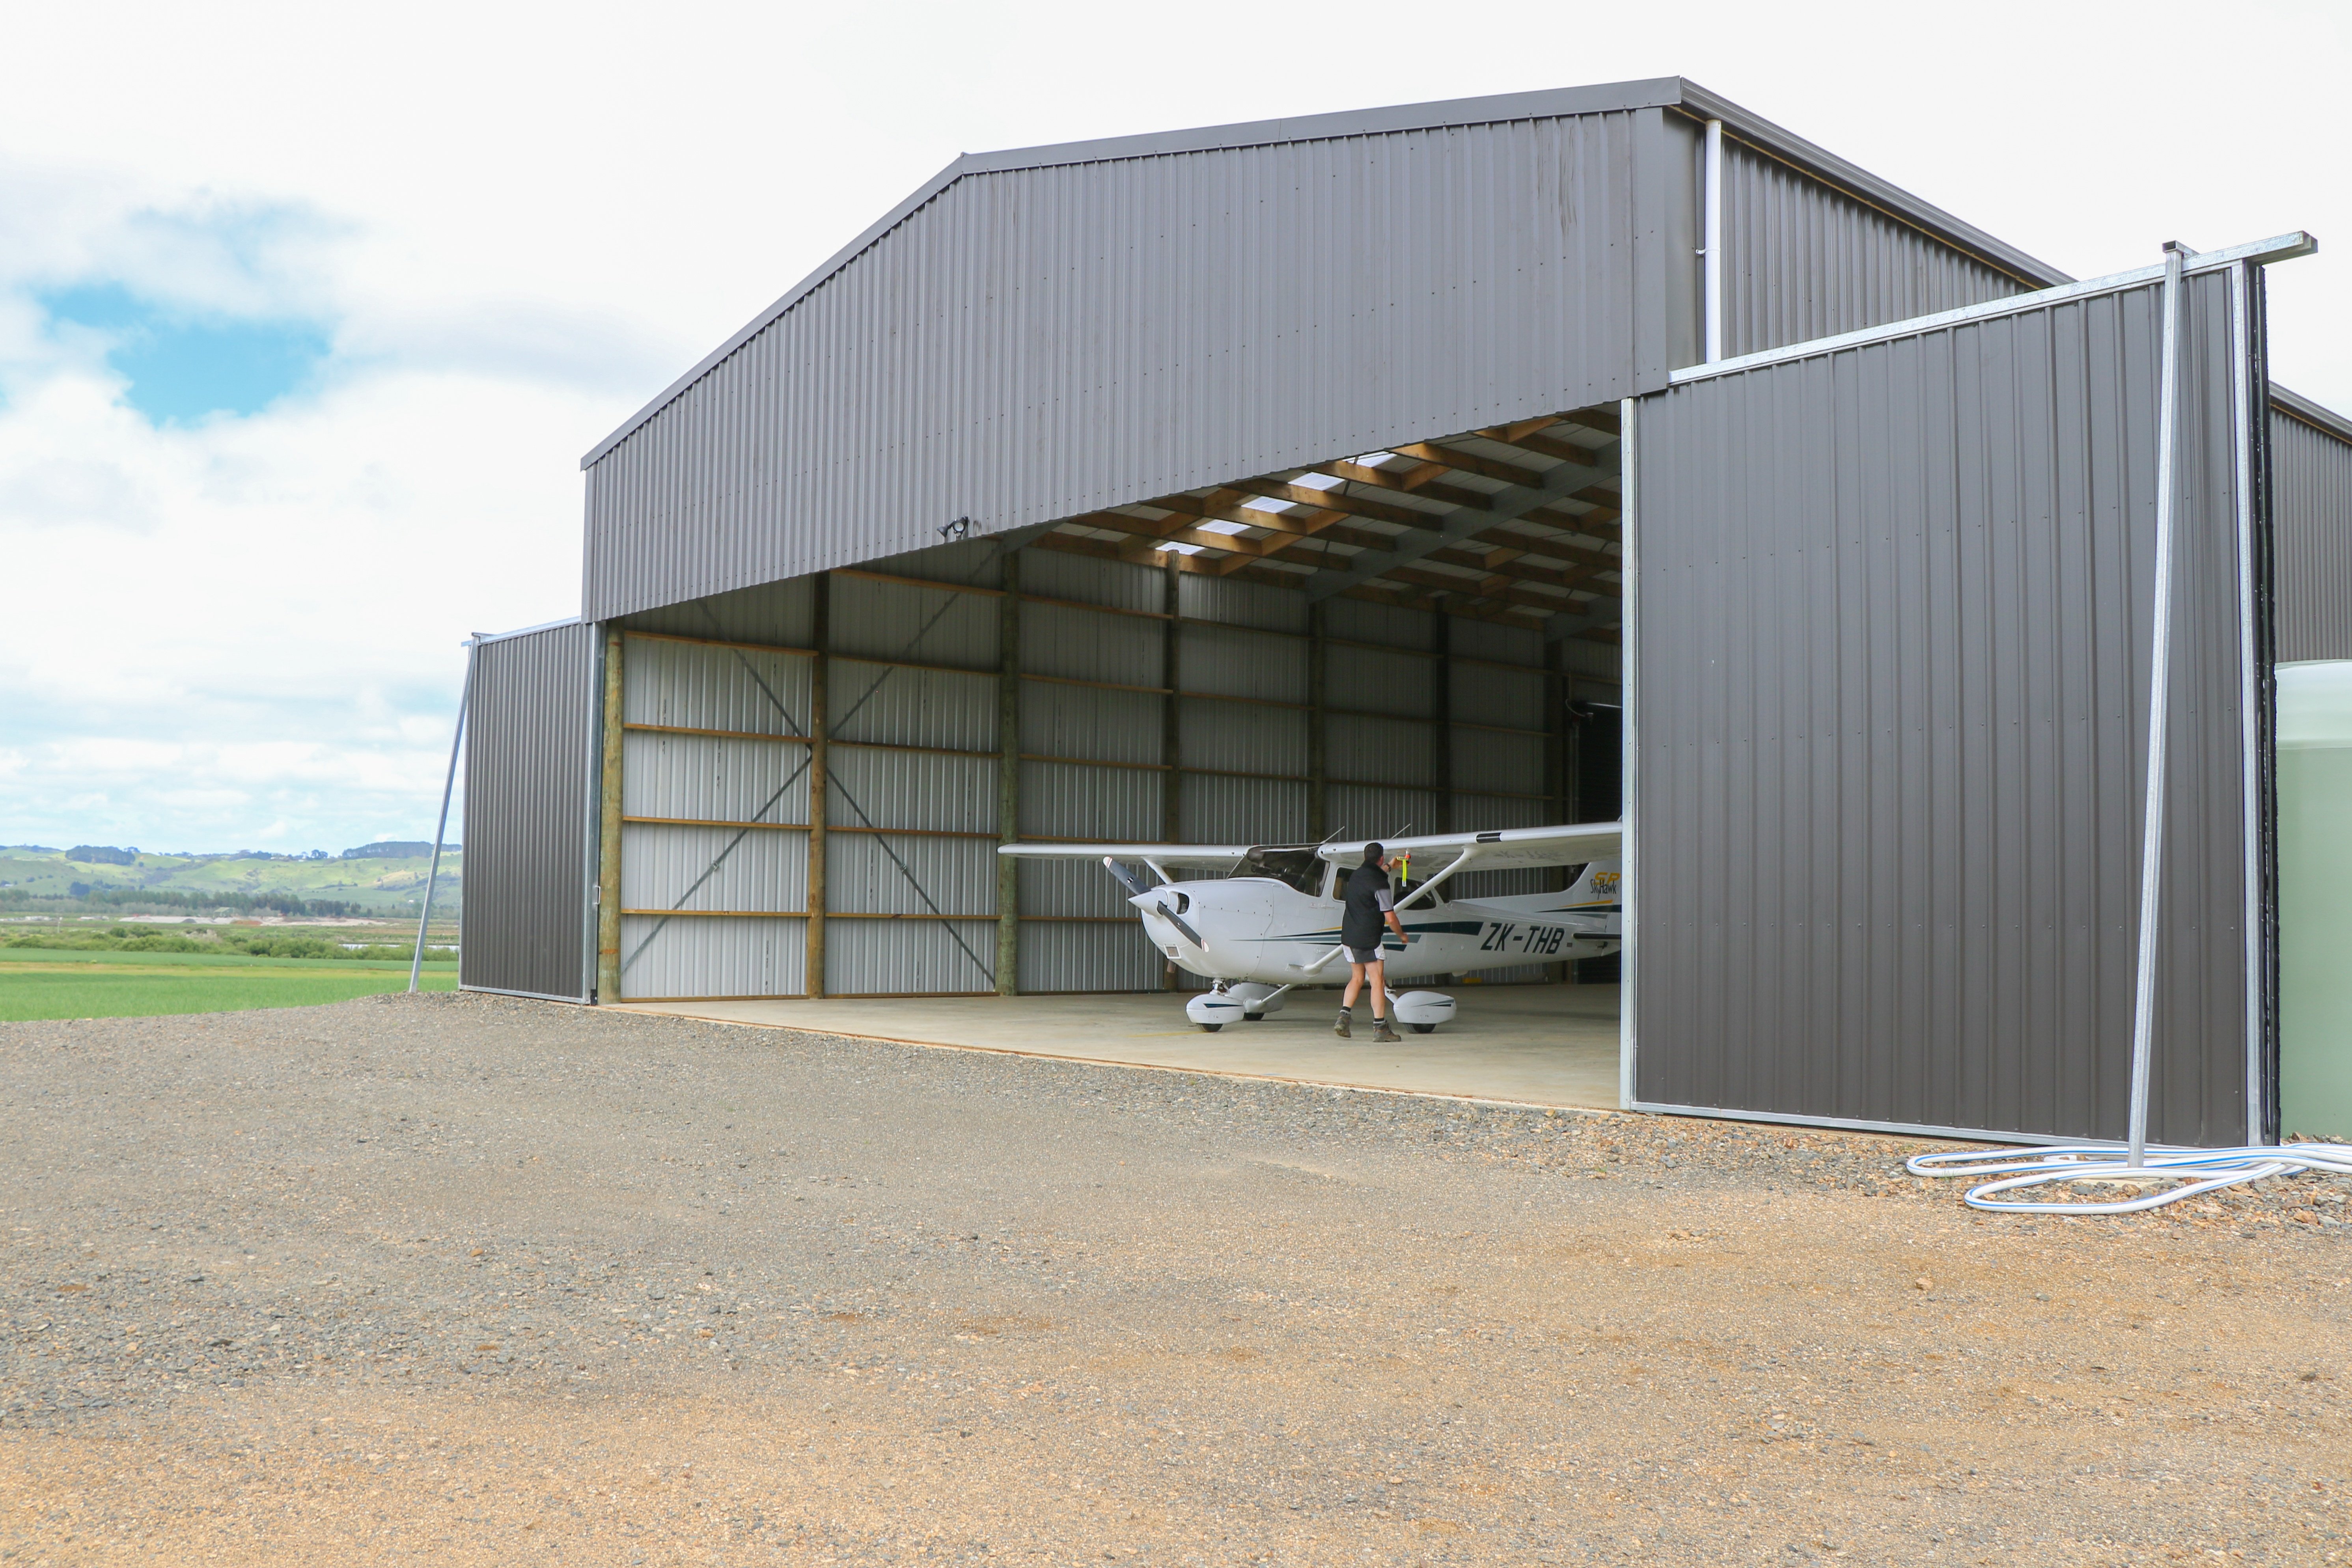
<point>1293,865</point>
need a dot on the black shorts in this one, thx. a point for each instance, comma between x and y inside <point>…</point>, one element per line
<point>1365,955</point>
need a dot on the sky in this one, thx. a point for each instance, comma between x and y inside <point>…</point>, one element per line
<point>307,314</point>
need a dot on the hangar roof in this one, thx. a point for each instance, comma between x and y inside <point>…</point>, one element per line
<point>1672,91</point>
<point>1375,354</point>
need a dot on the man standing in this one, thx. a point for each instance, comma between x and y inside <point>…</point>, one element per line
<point>1369,902</point>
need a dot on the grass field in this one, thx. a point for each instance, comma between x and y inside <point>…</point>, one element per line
<point>36,982</point>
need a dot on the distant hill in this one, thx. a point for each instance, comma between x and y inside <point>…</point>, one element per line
<point>375,879</point>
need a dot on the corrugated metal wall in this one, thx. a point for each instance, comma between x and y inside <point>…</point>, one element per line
<point>2311,505</point>
<point>1035,343</point>
<point>1893,660</point>
<point>1804,260</point>
<point>530,800</point>
<point>716,738</point>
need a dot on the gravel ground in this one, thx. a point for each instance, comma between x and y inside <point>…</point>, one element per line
<point>460,1280</point>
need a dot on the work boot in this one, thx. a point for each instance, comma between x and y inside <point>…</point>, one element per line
<point>1340,1028</point>
<point>1384,1034</point>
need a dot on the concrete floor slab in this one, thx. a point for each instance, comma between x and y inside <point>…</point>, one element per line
<point>1530,1044</point>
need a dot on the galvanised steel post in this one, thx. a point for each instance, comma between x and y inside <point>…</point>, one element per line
<point>820,678</point>
<point>608,828</point>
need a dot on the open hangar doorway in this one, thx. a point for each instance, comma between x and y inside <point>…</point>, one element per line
<point>805,784</point>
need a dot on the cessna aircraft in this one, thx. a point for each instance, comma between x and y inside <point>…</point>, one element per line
<point>1270,921</point>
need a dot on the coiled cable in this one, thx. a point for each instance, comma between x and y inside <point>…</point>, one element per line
<point>2196,1172</point>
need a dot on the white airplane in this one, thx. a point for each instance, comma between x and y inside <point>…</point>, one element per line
<point>1271,921</point>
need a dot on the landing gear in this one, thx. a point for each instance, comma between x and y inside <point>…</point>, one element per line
<point>1422,1010</point>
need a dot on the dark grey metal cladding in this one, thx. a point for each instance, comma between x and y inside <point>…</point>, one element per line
<point>530,792</point>
<point>2311,507</point>
<point>1893,644</point>
<point>1803,259</point>
<point>1032,343</point>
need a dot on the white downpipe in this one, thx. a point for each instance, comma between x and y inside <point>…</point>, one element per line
<point>2241,414</point>
<point>2160,689</point>
<point>1712,243</point>
<point>1629,813</point>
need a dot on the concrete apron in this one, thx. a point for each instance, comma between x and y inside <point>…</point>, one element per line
<point>1552,1046</point>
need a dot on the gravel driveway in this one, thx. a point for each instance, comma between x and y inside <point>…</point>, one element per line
<point>459,1279</point>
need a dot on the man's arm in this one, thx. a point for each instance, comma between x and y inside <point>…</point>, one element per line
<point>1387,913</point>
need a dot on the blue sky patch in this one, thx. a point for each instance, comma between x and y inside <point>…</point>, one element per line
<point>182,366</point>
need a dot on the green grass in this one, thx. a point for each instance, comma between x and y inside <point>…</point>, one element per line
<point>36,983</point>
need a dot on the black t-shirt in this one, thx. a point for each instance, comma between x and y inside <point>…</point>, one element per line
<point>1368,903</point>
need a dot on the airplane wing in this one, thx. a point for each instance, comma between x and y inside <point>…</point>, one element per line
<point>1500,849</point>
<point>1191,857</point>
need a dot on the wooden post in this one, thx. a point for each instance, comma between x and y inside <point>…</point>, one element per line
<point>1171,734</point>
<point>820,679</point>
<point>1557,782</point>
<point>1008,779</point>
<point>608,829</point>
<point>1442,713</point>
<point>1319,784</point>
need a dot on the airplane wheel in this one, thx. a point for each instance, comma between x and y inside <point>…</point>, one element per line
<point>1422,1028</point>
<point>1252,1017</point>
<point>1211,1028</point>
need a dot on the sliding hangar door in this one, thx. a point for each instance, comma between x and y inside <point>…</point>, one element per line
<point>1895,605</point>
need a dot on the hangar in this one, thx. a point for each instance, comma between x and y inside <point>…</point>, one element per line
<point>1472,465</point>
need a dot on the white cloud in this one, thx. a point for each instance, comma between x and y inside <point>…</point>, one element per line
<point>516,222</point>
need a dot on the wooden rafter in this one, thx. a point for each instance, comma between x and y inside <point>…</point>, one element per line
<point>1486,468</point>
<point>1420,481</point>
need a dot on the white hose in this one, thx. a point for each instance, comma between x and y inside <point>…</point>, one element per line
<point>2197,1170</point>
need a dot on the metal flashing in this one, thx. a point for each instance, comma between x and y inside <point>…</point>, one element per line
<point>2279,248</point>
<point>1900,1129</point>
<point>480,638</point>
<point>532,996</point>
<point>2318,416</point>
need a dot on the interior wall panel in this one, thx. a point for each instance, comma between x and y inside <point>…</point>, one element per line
<point>904,958</point>
<point>714,778</point>
<point>696,686</point>
<point>1086,644</point>
<point>1090,723</point>
<point>1483,694</point>
<point>1380,752</point>
<point>1232,661</point>
<point>684,956</point>
<point>666,866</point>
<point>889,705</point>
<point>1244,811</point>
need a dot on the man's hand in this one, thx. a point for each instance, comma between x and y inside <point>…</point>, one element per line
<point>1397,926</point>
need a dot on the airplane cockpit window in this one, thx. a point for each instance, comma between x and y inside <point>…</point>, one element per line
<point>1293,865</point>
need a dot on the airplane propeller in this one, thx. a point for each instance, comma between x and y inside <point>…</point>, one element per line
<point>1172,918</point>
